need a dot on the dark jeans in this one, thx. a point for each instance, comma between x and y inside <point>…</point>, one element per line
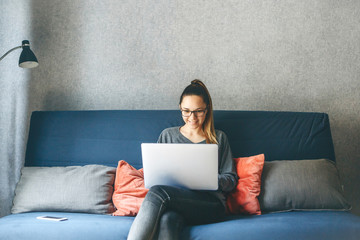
<point>167,209</point>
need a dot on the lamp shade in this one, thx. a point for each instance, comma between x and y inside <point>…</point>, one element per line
<point>27,57</point>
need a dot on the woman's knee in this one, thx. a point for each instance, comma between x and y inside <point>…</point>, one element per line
<point>163,190</point>
<point>159,192</point>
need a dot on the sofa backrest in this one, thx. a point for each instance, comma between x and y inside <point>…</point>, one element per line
<point>67,138</point>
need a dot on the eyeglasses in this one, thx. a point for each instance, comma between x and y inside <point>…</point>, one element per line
<point>197,113</point>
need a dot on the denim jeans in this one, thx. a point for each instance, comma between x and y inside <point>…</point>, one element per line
<point>167,209</point>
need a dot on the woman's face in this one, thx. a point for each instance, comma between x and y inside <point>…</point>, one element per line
<point>188,105</point>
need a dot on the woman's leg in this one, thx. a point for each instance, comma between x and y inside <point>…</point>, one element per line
<point>195,206</point>
<point>170,226</point>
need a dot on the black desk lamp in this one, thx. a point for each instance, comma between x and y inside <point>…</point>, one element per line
<point>27,57</point>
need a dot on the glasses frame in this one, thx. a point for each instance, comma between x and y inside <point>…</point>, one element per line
<point>195,112</point>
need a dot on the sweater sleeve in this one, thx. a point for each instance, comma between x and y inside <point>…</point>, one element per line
<point>227,173</point>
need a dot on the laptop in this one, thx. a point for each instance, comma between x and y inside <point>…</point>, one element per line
<point>191,166</point>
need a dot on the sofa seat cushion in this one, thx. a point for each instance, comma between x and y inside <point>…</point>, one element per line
<point>78,226</point>
<point>286,225</point>
<point>330,225</point>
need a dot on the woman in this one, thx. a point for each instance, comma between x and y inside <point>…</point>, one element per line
<point>167,209</point>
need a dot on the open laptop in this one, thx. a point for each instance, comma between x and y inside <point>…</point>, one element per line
<point>191,166</point>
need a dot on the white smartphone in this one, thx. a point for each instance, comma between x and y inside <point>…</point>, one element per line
<point>51,218</point>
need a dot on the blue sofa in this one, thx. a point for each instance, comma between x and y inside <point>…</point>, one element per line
<point>78,138</point>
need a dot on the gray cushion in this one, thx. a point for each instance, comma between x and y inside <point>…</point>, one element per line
<point>301,185</point>
<point>68,189</point>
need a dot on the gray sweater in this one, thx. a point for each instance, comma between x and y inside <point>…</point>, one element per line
<point>227,173</point>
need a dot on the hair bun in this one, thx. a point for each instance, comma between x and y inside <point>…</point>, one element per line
<point>197,82</point>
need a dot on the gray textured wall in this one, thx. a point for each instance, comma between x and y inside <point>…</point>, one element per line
<point>14,85</point>
<point>253,55</point>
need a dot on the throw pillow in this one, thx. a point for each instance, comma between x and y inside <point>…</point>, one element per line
<point>129,190</point>
<point>86,189</point>
<point>301,185</point>
<point>244,198</point>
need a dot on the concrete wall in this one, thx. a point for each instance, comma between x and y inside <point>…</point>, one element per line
<point>14,86</point>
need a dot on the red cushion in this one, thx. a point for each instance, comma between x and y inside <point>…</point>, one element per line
<point>244,198</point>
<point>129,190</point>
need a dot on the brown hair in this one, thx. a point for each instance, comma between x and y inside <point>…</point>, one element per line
<point>198,88</point>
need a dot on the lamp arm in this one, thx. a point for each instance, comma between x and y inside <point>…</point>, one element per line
<point>9,52</point>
